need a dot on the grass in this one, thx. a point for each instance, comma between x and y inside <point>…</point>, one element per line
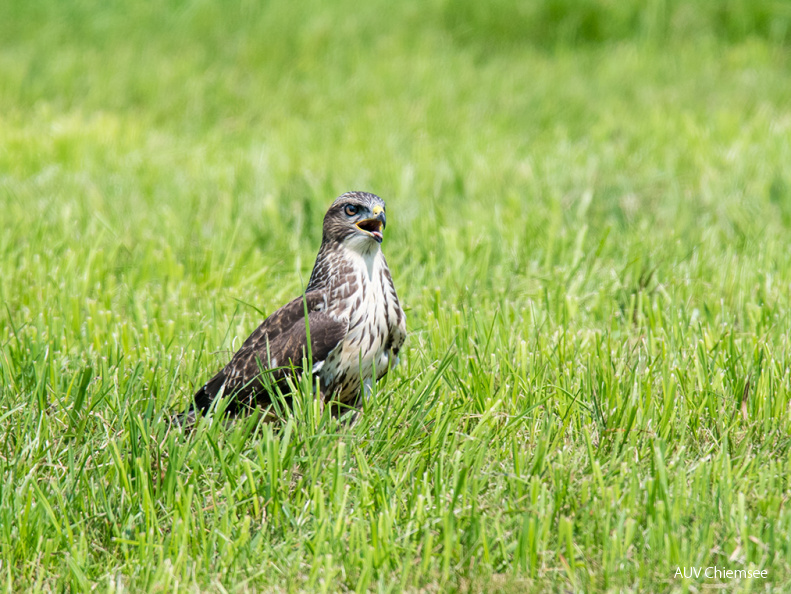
<point>589,228</point>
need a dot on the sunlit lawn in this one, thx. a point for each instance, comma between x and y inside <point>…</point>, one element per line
<point>591,241</point>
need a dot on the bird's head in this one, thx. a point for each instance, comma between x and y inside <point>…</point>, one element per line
<point>356,220</point>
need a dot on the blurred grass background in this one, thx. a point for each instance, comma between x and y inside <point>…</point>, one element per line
<point>589,204</point>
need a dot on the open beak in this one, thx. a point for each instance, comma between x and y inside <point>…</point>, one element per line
<point>375,226</point>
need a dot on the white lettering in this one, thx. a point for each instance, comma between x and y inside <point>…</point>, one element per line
<point>687,573</point>
<point>719,573</point>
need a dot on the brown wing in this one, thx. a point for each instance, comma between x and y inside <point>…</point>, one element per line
<point>276,347</point>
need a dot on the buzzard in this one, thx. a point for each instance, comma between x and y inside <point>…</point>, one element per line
<point>354,320</point>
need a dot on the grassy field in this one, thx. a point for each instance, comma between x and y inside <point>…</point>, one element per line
<point>589,212</point>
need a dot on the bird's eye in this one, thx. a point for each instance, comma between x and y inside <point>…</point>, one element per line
<point>351,209</point>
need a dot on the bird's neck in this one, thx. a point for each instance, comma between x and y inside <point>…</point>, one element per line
<point>336,261</point>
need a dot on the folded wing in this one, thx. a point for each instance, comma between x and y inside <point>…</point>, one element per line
<point>275,350</point>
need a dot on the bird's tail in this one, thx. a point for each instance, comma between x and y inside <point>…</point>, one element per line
<point>202,401</point>
<point>206,395</point>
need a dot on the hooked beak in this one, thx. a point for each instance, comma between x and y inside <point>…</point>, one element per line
<point>375,226</point>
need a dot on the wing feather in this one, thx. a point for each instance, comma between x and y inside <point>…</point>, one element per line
<point>275,347</point>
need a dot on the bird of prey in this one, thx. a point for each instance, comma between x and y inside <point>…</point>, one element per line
<point>354,320</point>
